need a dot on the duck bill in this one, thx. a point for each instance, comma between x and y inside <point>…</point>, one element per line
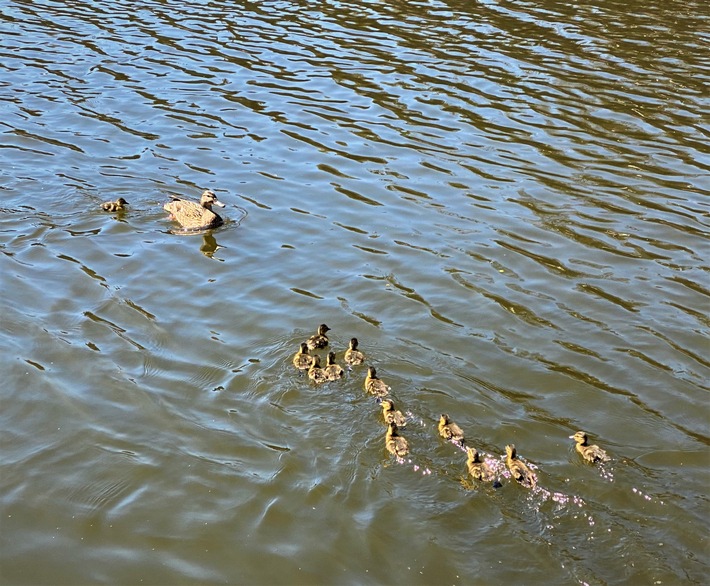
<point>218,203</point>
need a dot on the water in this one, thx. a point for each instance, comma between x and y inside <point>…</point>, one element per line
<point>505,202</point>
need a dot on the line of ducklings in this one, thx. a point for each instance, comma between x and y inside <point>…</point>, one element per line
<point>397,445</point>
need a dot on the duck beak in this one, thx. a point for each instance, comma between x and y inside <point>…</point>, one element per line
<point>218,203</point>
<point>571,437</point>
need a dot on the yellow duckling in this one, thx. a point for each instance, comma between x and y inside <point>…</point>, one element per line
<point>333,371</point>
<point>114,206</point>
<point>302,360</point>
<point>479,469</point>
<point>316,373</point>
<point>391,415</point>
<point>374,385</point>
<point>395,443</point>
<point>591,453</point>
<point>353,356</point>
<point>449,430</point>
<point>318,340</point>
<point>518,469</point>
<point>193,215</point>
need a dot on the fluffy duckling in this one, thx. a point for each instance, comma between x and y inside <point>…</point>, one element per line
<point>518,468</point>
<point>479,469</point>
<point>333,371</point>
<point>374,385</point>
<point>302,360</point>
<point>395,443</point>
<point>391,415</point>
<point>353,356</point>
<point>315,372</point>
<point>591,453</point>
<point>193,215</point>
<point>318,340</point>
<point>114,206</point>
<point>449,430</point>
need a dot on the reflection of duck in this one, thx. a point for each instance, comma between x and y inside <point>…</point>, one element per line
<point>114,206</point>
<point>193,215</point>
<point>332,371</point>
<point>591,453</point>
<point>318,340</point>
<point>353,356</point>
<point>315,372</point>
<point>479,469</point>
<point>391,415</point>
<point>374,385</point>
<point>449,430</point>
<point>395,443</point>
<point>519,469</point>
<point>302,359</point>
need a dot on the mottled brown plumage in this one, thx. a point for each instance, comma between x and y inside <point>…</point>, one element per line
<point>391,415</point>
<point>319,339</point>
<point>316,373</point>
<point>302,359</point>
<point>449,430</point>
<point>519,469</point>
<point>194,215</point>
<point>395,443</point>
<point>374,385</point>
<point>353,356</point>
<point>332,370</point>
<point>114,206</point>
<point>477,468</point>
<point>591,453</point>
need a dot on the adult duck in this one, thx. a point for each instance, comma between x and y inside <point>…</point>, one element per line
<point>353,356</point>
<point>391,414</point>
<point>332,370</point>
<point>319,339</point>
<point>395,443</point>
<point>449,430</point>
<point>114,206</point>
<point>591,453</point>
<point>194,215</point>
<point>518,469</point>
<point>302,360</point>
<point>375,385</point>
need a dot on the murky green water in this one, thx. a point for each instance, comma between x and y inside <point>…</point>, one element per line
<point>505,202</point>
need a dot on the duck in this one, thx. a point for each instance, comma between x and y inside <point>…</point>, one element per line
<point>332,370</point>
<point>391,415</point>
<point>353,356</point>
<point>319,339</point>
<point>374,385</point>
<point>591,453</point>
<point>479,469</point>
<point>194,215</point>
<point>518,469</point>
<point>114,206</point>
<point>315,372</point>
<point>302,360</point>
<point>395,443</point>
<point>449,430</point>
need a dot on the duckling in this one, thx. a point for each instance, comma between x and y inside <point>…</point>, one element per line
<point>374,385</point>
<point>395,443</point>
<point>319,340</point>
<point>391,415</point>
<point>449,430</point>
<point>114,206</point>
<point>302,360</point>
<point>315,372</point>
<point>479,469</point>
<point>193,215</point>
<point>591,453</point>
<point>518,468</point>
<point>333,371</point>
<point>353,356</point>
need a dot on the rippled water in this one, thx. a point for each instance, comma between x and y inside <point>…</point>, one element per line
<point>506,202</point>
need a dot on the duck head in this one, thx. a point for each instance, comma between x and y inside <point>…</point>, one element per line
<point>208,199</point>
<point>510,451</point>
<point>580,437</point>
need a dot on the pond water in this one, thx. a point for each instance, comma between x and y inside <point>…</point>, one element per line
<point>505,202</point>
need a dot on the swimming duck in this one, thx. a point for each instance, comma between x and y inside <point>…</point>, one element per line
<point>315,372</point>
<point>391,415</point>
<point>302,360</point>
<point>449,430</point>
<point>333,371</point>
<point>518,468</point>
<point>318,340</point>
<point>193,215</point>
<point>591,453</point>
<point>374,385</point>
<point>479,469</point>
<point>114,206</point>
<point>353,356</point>
<point>395,443</point>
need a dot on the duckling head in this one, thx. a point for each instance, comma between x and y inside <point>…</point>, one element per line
<point>371,372</point>
<point>580,437</point>
<point>472,454</point>
<point>316,361</point>
<point>304,348</point>
<point>510,451</point>
<point>353,343</point>
<point>444,419</point>
<point>208,199</point>
<point>322,329</point>
<point>387,405</point>
<point>331,358</point>
<point>122,202</point>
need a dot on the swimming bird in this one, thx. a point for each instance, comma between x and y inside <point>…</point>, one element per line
<point>518,469</point>
<point>193,215</point>
<point>315,372</point>
<point>591,453</point>
<point>318,340</point>
<point>374,385</point>
<point>302,359</point>
<point>479,469</point>
<point>391,415</point>
<point>114,206</point>
<point>395,443</point>
<point>449,430</point>
<point>332,370</point>
<point>353,356</point>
